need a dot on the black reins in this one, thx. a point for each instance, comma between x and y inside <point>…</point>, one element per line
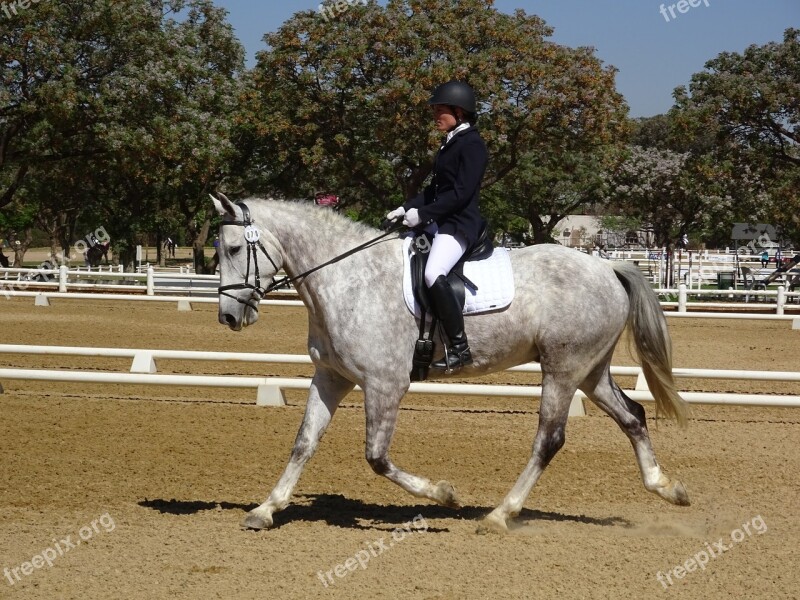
<point>253,237</point>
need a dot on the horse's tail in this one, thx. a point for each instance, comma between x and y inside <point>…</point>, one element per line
<point>649,328</point>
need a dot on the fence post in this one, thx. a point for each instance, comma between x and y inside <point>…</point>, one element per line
<point>150,282</point>
<point>270,395</point>
<point>62,279</point>
<point>577,408</point>
<point>781,300</point>
<point>143,363</point>
<point>682,298</point>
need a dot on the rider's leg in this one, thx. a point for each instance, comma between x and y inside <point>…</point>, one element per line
<point>446,251</point>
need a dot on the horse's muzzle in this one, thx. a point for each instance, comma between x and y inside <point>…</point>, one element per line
<point>231,321</point>
<point>239,317</point>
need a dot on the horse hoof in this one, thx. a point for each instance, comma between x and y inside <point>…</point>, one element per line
<point>256,522</point>
<point>680,497</point>
<point>446,495</point>
<point>492,523</point>
<point>674,493</point>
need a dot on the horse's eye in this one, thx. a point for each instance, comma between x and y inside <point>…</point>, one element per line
<point>234,250</point>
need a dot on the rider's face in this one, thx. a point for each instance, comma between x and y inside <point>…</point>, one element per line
<point>443,117</point>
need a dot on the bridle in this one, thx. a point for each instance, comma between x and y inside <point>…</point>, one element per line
<point>253,237</point>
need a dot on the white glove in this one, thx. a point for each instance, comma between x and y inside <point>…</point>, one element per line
<point>412,218</point>
<point>396,214</point>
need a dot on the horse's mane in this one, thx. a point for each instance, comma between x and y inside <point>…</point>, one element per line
<point>322,218</point>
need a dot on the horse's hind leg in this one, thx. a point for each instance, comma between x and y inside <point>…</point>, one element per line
<point>327,390</point>
<point>381,407</point>
<point>629,415</point>
<point>557,392</point>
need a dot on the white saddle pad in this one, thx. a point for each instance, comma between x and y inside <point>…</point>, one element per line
<point>493,276</point>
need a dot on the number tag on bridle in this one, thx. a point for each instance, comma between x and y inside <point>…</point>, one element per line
<point>252,234</point>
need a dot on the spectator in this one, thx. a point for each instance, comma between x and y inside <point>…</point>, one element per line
<point>169,246</point>
<point>764,259</point>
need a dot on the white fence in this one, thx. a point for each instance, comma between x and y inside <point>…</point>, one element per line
<point>167,293</point>
<point>783,299</point>
<point>151,282</point>
<point>270,389</point>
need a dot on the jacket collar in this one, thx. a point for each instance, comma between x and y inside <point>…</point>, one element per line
<point>460,128</point>
<point>457,132</point>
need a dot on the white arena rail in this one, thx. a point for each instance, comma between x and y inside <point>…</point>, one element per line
<point>166,287</point>
<point>14,281</point>
<point>269,389</point>
<point>185,303</point>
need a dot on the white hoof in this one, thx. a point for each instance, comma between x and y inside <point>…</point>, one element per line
<point>255,521</point>
<point>445,494</point>
<point>494,522</point>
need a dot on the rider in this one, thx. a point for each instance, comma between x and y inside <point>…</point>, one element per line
<point>448,208</point>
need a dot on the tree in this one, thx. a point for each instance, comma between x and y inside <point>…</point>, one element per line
<point>750,101</point>
<point>674,193</point>
<point>341,103</point>
<point>141,95</point>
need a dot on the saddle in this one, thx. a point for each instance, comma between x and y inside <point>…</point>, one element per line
<point>480,250</point>
<point>423,349</point>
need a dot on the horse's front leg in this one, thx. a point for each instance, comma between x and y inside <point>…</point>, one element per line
<point>326,392</point>
<point>381,405</point>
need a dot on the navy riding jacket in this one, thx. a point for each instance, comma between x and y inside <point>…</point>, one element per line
<point>451,198</point>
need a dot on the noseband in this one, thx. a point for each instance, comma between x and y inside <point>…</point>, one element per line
<point>253,236</point>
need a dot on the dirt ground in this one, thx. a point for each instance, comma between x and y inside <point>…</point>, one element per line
<point>137,492</point>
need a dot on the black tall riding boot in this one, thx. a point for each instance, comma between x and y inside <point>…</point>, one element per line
<point>449,313</point>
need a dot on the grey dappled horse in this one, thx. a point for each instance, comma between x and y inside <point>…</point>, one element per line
<point>568,314</point>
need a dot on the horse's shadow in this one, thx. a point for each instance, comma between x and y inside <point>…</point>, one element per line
<point>340,511</point>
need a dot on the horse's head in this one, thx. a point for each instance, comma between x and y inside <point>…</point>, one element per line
<point>246,264</point>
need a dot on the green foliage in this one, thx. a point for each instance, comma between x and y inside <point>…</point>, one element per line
<point>126,108</point>
<point>341,104</point>
<point>749,101</point>
<point>125,114</point>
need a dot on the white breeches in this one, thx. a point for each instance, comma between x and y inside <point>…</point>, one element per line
<point>446,251</point>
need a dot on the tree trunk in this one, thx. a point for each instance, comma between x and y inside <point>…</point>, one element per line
<point>199,239</point>
<point>21,248</point>
<point>161,257</point>
<point>543,232</point>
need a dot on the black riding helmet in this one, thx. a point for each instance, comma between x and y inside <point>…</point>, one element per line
<point>455,93</point>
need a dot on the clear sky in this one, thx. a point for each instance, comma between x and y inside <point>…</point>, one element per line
<point>653,52</point>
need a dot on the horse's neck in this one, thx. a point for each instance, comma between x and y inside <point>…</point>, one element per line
<point>307,236</point>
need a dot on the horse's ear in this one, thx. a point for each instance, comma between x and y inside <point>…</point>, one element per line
<point>223,205</point>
